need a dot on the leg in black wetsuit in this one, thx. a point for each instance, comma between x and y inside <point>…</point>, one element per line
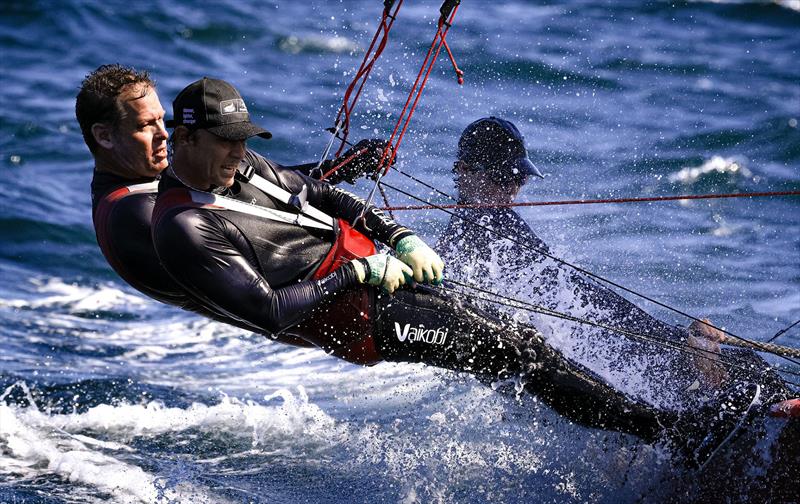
<point>433,327</point>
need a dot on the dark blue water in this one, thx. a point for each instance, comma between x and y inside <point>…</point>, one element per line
<point>106,395</point>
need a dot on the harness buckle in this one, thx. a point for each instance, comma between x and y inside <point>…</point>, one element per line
<point>245,171</point>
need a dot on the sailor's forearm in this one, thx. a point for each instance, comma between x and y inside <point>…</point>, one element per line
<point>289,305</point>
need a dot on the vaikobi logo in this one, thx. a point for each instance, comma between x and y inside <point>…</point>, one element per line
<point>430,336</point>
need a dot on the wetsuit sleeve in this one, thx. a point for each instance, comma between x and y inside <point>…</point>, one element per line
<point>332,200</point>
<point>213,260</point>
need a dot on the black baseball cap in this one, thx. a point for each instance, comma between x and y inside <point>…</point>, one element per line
<point>216,106</point>
<point>497,146</point>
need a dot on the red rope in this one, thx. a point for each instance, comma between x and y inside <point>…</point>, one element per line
<point>386,200</point>
<point>363,72</point>
<point>436,44</point>
<point>347,160</point>
<point>596,201</point>
<point>459,72</point>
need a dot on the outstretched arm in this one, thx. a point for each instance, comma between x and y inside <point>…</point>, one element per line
<point>211,258</point>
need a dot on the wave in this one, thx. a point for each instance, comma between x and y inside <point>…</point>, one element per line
<point>294,44</point>
<point>793,5</point>
<point>469,440</point>
<point>73,447</point>
<point>733,168</point>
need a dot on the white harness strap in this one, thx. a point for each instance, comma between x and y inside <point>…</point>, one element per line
<point>285,197</point>
<point>147,187</point>
<point>308,216</point>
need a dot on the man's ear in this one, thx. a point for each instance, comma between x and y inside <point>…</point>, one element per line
<point>181,135</point>
<point>102,135</point>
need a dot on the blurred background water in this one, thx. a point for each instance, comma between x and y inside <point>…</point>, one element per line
<point>106,395</point>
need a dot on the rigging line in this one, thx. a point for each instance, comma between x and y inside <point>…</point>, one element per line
<point>442,34</point>
<point>586,272</point>
<point>728,360</point>
<point>385,200</point>
<point>782,331</point>
<point>422,183</point>
<point>591,201</point>
<point>362,74</point>
<point>449,8</point>
<point>368,69</point>
<point>548,311</point>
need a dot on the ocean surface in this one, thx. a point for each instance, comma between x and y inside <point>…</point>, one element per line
<point>106,396</point>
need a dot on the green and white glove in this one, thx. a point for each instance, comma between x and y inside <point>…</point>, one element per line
<point>382,270</point>
<point>425,263</point>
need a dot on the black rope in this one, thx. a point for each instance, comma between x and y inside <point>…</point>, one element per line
<point>699,352</point>
<point>781,332</point>
<point>710,355</point>
<point>587,272</point>
<point>425,184</point>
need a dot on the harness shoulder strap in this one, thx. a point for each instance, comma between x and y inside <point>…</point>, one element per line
<point>223,202</point>
<point>147,187</point>
<point>298,201</point>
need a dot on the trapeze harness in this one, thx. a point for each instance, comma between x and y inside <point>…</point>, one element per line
<point>341,325</point>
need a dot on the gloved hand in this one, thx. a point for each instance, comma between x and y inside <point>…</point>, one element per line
<point>363,164</point>
<point>425,263</point>
<point>382,270</point>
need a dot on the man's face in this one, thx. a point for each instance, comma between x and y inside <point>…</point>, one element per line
<point>211,160</point>
<point>139,139</point>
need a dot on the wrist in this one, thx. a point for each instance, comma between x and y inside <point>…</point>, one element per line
<point>361,268</point>
<point>399,236</point>
<point>408,244</point>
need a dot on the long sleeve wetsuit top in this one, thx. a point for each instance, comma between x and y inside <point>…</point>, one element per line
<point>254,269</point>
<point>122,209</point>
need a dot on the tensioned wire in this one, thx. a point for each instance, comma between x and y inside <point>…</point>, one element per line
<point>710,355</point>
<point>755,344</point>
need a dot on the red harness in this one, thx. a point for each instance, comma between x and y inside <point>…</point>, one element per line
<point>343,326</point>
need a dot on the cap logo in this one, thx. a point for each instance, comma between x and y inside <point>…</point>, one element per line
<point>188,116</point>
<point>232,106</point>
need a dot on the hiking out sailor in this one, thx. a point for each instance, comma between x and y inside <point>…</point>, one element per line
<point>122,122</point>
<point>492,166</point>
<point>278,250</point>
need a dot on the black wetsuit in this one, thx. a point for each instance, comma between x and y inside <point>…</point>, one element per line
<point>483,258</point>
<point>261,271</point>
<point>121,212</point>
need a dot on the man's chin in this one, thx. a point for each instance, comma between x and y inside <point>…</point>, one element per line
<point>157,168</point>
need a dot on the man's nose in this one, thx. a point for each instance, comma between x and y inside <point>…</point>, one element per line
<point>238,149</point>
<point>162,131</point>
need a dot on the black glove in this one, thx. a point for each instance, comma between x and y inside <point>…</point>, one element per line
<point>364,164</point>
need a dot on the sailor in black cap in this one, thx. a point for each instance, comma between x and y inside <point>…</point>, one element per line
<point>122,121</point>
<point>492,166</point>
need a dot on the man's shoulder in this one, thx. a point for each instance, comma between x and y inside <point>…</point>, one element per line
<point>485,227</point>
<point>105,184</point>
<point>123,200</point>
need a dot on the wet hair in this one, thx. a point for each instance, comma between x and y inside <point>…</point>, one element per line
<point>97,100</point>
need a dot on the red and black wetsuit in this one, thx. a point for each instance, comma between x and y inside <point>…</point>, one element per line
<point>279,276</point>
<point>121,212</point>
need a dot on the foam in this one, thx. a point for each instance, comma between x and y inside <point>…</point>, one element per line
<point>337,45</point>
<point>74,297</point>
<point>595,348</point>
<point>69,446</point>
<point>732,166</point>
